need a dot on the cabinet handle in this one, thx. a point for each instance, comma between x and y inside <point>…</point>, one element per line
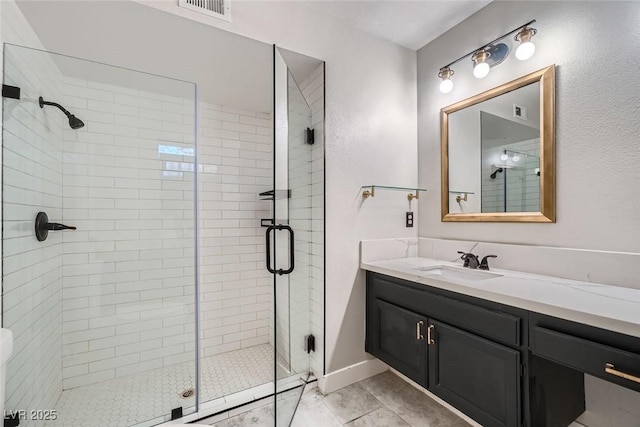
<point>419,335</point>
<point>430,329</point>
<point>610,369</point>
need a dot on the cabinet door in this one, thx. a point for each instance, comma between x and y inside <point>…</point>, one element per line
<point>396,336</point>
<point>477,376</point>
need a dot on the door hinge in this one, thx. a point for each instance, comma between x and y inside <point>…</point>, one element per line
<point>10,92</point>
<point>310,136</point>
<point>176,413</point>
<point>310,343</point>
<point>523,371</point>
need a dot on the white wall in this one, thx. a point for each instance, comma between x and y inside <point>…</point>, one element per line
<point>465,154</point>
<point>596,128</point>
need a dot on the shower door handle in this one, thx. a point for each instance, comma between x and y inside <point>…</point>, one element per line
<point>280,271</point>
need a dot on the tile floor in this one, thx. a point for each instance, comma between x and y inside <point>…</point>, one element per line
<point>385,400</point>
<point>140,398</point>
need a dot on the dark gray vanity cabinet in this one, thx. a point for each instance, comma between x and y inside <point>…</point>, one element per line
<point>466,353</point>
<point>500,365</point>
<point>477,376</point>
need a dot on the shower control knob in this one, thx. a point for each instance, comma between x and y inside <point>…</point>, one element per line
<point>43,226</point>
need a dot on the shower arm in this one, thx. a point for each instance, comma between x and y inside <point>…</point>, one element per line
<point>42,103</point>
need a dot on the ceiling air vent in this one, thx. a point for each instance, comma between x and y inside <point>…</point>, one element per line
<point>217,8</point>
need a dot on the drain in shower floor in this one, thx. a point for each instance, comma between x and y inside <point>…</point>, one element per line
<point>189,392</point>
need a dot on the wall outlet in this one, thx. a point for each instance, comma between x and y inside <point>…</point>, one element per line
<point>409,220</point>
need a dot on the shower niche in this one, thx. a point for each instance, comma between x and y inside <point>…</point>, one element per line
<point>160,305</point>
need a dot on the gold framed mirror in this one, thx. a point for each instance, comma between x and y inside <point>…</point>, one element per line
<point>498,153</point>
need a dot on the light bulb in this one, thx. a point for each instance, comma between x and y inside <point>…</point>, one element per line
<point>481,70</point>
<point>515,158</point>
<point>504,157</point>
<point>446,86</point>
<point>526,48</point>
<point>480,67</point>
<point>525,51</point>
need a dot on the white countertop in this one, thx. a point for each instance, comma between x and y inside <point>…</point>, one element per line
<point>603,306</point>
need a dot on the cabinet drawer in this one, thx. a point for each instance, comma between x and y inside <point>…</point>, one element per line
<point>587,356</point>
<point>498,326</point>
<point>486,322</point>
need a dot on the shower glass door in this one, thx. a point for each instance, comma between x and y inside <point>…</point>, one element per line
<point>296,238</point>
<point>103,315</point>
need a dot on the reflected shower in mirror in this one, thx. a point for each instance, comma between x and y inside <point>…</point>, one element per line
<point>510,157</point>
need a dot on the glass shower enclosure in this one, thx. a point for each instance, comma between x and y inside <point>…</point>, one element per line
<point>103,315</point>
<point>157,286</point>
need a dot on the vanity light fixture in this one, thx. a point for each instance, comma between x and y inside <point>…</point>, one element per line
<point>446,85</point>
<point>481,66</point>
<point>526,48</point>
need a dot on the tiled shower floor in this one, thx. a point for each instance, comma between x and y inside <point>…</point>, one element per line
<point>139,398</point>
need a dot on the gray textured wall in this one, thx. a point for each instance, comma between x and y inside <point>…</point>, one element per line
<point>594,45</point>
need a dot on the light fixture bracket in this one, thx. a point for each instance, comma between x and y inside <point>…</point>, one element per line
<point>525,34</point>
<point>480,56</point>
<point>445,73</point>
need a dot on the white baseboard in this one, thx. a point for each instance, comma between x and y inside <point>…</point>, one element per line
<point>350,375</point>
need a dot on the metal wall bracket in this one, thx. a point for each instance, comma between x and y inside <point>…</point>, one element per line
<point>12,92</point>
<point>459,198</point>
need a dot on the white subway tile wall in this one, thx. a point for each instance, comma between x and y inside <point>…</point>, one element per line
<point>236,164</point>
<point>522,182</point>
<point>313,91</point>
<point>116,297</point>
<point>32,172</point>
<point>128,271</point>
<point>297,286</point>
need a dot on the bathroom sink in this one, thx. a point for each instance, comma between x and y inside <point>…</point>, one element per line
<point>456,273</point>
